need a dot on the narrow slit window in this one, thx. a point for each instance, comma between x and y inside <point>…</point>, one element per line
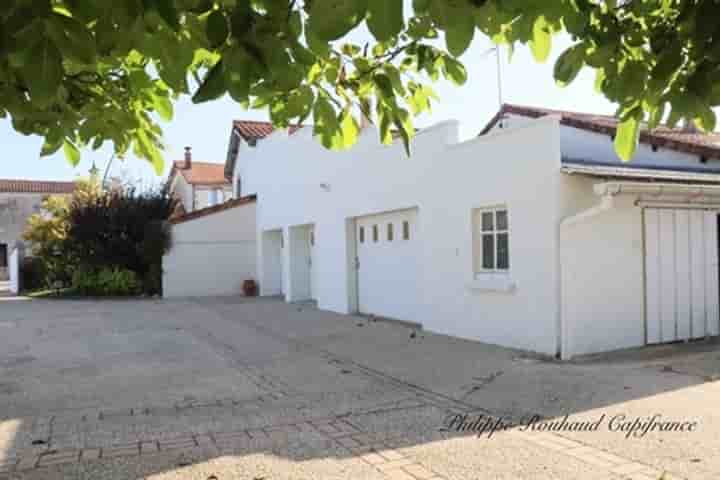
<point>406,230</point>
<point>375,233</point>
<point>312,238</point>
<point>390,232</point>
<point>362,234</point>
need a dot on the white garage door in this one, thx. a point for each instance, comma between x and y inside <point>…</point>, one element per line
<point>387,250</point>
<point>681,274</point>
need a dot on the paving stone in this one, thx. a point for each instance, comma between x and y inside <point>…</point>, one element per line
<point>348,442</point>
<point>204,440</point>
<point>327,428</point>
<point>177,443</point>
<point>67,456</point>
<point>231,436</point>
<point>7,464</point>
<point>373,458</point>
<point>610,457</point>
<point>258,434</point>
<point>147,448</point>
<point>418,471</point>
<point>561,440</point>
<point>399,474</point>
<point>121,451</point>
<point>394,464</point>
<point>90,454</point>
<point>27,462</point>
<point>390,454</point>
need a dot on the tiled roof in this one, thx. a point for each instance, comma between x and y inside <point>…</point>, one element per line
<point>687,141</point>
<point>250,131</point>
<point>253,130</point>
<point>203,212</point>
<point>201,173</point>
<point>35,186</point>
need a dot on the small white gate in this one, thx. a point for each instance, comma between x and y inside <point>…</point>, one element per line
<point>681,274</point>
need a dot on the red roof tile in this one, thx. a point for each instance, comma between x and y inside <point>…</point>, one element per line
<point>687,141</point>
<point>201,173</point>
<point>203,212</point>
<point>35,186</point>
<point>251,129</point>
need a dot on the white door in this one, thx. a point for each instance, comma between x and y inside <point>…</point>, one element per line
<point>681,274</point>
<point>313,268</point>
<point>387,251</point>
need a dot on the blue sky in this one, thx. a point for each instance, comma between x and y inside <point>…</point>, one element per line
<point>206,127</point>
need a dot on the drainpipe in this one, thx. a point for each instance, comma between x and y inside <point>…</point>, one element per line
<point>563,328</point>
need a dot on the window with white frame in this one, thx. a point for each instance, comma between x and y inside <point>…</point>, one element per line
<point>215,197</point>
<point>491,240</point>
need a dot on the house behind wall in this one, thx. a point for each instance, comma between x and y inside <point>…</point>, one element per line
<point>19,199</point>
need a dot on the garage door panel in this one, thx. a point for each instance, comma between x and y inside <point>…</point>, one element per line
<point>711,276</point>
<point>697,272</point>
<point>652,269</point>
<point>682,274</point>
<point>667,276</point>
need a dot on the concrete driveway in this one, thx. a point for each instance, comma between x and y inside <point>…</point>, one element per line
<point>262,390</point>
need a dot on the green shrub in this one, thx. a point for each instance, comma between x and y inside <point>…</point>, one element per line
<point>106,282</point>
<point>33,273</point>
<point>127,230</point>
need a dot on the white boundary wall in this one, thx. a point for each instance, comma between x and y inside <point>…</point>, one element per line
<point>212,255</point>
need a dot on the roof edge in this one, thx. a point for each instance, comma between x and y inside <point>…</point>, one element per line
<point>646,136</point>
<point>204,212</point>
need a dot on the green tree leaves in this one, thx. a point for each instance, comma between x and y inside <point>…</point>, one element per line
<point>75,69</point>
<point>333,19</point>
<point>217,28</point>
<point>72,154</point>
<point>213,85</point>
<point>43,72</point>
<point>385,18</point>
<point>541,40</point>
<point>628,132</point>
<point>568,65</point>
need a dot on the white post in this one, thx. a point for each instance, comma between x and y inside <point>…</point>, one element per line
<point>14,267</point>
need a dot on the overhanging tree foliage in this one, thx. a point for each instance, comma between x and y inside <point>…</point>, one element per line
<point>86,72</point>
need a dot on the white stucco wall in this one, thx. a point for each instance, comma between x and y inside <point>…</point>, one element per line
<point>602,279</point>
<point>212,255</point>
<point>183,190</point>
<point>445,180</point>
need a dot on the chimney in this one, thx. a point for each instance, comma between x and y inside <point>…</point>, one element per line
<point>188,158</point>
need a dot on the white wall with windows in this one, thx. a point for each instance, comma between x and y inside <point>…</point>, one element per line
<point>496,282</point>
<point>484,239</point>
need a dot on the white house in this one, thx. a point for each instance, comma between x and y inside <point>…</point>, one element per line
<point>533,235</point>
<point>198,184</point>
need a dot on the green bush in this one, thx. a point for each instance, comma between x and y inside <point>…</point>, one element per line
<point>106,282</point>
<point>33,273</point>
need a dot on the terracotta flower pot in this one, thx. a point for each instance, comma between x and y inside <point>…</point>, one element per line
<point>250,288</point>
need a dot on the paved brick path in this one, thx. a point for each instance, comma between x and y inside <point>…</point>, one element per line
<point>281,389</point>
